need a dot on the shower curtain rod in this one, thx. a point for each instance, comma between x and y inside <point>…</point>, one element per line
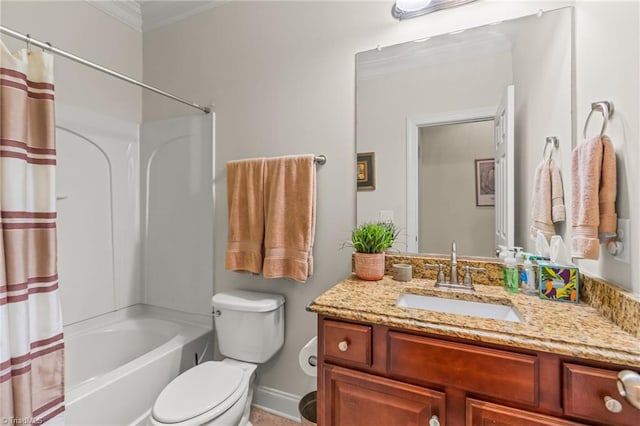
<point>95,66</point>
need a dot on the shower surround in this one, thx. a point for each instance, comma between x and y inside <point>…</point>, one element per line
<point>135,230</point>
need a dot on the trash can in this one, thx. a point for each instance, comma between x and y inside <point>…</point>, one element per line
<point>308,409</point>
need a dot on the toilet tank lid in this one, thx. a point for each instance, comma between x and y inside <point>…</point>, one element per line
<point>247,301</point>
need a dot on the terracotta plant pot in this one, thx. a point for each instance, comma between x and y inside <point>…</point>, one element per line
<point>369,266</point>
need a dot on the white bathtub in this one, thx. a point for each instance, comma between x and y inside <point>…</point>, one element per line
<point>116,364</point>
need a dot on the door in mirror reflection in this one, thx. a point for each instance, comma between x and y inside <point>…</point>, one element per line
<point>464,180</point>
<point>450,183</point>
<point>504,170</point>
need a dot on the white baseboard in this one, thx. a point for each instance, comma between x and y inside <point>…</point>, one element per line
<point>277,402</point>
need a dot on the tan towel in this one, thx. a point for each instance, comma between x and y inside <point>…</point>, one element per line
<point>608,227</point>
<point>290,216</point>
<point>591,182</point>
<point>541,219</point>
<point>245,202</point>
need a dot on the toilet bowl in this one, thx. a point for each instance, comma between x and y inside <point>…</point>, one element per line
<point>212,393</point>
<point>250,330</point>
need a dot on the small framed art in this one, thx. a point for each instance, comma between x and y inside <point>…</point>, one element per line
<point>485,182</point>
<point>365,171</point>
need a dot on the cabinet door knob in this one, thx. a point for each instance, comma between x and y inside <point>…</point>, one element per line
<point>613,405</point>
<point>434,421</point>
<point>343,346</point>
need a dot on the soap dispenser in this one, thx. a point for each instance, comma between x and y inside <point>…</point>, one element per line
<point>528,278</point>
<point>502,252</point>
<point>510,274</point>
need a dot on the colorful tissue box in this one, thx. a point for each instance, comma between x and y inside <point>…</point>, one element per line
<point>535,257</point>
<point>558,282</point>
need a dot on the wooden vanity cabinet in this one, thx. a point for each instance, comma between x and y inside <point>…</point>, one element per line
<point>370,374</point>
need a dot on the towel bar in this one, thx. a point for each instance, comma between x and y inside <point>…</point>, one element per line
<point>606,108</point>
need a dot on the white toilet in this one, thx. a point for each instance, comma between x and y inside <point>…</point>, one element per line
<point>250,330</point>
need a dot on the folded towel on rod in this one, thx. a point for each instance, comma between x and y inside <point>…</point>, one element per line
<point>245,202</point>
<point>290,216</point>
<point>548,200</point>
<point>541,208</point>
<point>608,227</point>
<point>558,212</point>
<point>593,171</point>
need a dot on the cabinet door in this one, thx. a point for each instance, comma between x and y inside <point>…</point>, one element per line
<point>584,393</point>
<point>480,413</point>
<point>353,398</point>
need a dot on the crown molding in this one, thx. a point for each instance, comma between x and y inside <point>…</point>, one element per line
<point>162,13</point>
<point>437,51</point>
<point>126,11</point>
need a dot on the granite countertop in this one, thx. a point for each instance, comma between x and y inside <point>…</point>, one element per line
<point>563,328</point>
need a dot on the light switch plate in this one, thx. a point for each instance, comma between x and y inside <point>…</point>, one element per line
<point>624,236</point>
<point>386,215</point>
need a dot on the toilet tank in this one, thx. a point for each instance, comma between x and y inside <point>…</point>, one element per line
<point>249,325</point>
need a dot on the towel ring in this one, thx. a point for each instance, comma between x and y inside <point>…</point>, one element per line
<point>606,108</point>
<point>551,140</point>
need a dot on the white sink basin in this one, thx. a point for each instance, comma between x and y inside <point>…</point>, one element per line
<point>460,307</point>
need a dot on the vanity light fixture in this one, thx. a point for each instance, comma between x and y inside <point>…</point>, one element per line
<point>405,9</point>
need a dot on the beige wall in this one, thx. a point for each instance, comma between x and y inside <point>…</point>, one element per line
<point>607,68</point>
<point>282,78</point>
<point>85,31</point>
<point>448,208</point>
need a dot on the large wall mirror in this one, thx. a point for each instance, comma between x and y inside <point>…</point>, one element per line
<point>438,112</point>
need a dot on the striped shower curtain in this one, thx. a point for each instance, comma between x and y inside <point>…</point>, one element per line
<point>31,341</point>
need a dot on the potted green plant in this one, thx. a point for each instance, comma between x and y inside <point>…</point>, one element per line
<point>370,240</point>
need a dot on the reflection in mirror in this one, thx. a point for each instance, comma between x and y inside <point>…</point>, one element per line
<point>446,153</point>
<point>427,109</point>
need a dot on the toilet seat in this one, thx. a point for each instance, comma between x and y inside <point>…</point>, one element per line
<point>203,392</point>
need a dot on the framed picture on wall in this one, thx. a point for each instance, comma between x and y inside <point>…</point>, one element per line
<point>485,182</point>
<point>365,171</point>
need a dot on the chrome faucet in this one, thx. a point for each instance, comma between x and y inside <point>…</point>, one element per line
<point>453,278</point>
<point>467,282</point>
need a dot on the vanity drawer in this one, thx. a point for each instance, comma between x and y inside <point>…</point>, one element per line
<point>584,391</point>
<point>490,372</point>
<point>480,413</point>
<point>347,342</point>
